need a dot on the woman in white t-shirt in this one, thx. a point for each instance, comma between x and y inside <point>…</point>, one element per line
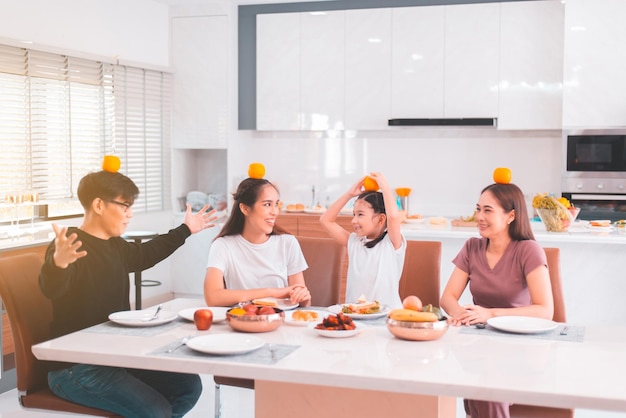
<point>251,258</point>
<point>376,248</point>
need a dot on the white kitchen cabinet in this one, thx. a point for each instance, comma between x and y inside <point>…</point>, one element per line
<point>594,92</point>
<point>322,70</point>
<point>278,72</point>
<point>445,61</point>
<point>471,56</point>
<point>531,65</point>
<point>368,68</point>
<point>200,91</point>
<point>417,62</point>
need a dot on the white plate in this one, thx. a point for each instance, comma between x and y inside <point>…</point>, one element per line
<point>414,221</point>
<point>290,321</point>
<point>219,313</point>
<point>522,324</point>
<point>284,304</point>
<point>330,333</point>
<point>599,228</point>
<point>225,343</point>
<point>384,310</point>
<point>320,211</point>
<point>138,318</point>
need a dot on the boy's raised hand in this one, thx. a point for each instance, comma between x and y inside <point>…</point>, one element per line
<point>66,247</point>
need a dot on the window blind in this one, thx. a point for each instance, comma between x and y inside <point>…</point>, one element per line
<point>60,115</point>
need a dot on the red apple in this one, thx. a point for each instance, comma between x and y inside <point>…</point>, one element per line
<point>250,309</point>
<point>203,318</point>
<point>267,310</point>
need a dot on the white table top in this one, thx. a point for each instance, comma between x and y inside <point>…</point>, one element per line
<point>515,368</point>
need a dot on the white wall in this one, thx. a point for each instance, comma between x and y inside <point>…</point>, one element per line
<point>446,168</point>
<point>133,31</point>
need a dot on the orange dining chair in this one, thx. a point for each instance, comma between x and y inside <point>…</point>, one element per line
<point>325,259</point>
<point>531,411</point>
<point>30,314</point>
<point>421,271</point>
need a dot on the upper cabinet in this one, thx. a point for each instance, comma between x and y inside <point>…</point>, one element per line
<point>200,96</point>
<point>531,65</point>
<point>417,62</point>
<point>355,69</point>
<point>594,64</point>
<point>472,42</point>
<point>368,68</point>
<point>278,71</point>
<point>322,70</point>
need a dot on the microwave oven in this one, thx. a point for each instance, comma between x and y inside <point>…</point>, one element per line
<point>596,152</point>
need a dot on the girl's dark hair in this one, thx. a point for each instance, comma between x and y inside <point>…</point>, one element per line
<point>375,199</point>
<point>106,186</point>
<point>511,198</point>
<point>247,193</point>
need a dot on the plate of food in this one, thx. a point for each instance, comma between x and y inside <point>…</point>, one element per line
<point>284,304</point>
<point>142,318</point>
<point>362,309</point>
<point>522,324</point>
<point>465,221</point>
<point>603,225</point>
<point>219,313</point>
<point>295,208</point>
<point>301,317</point>
<point>224,344</point>
<point>337,326</point>
<point>414,219</point>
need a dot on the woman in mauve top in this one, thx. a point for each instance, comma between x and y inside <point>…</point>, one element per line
<point>506,270</point>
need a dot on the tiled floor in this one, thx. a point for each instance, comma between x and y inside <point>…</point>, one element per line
<point>237,403</point>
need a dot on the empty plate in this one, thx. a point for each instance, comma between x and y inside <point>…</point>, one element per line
<point>142,318</point>
<point>522,324</point>
<point>225,343</point>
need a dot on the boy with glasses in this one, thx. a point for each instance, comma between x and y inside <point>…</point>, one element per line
<point>85,275</point>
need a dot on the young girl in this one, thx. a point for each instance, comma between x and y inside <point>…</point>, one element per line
<point>252,259</point>
<point>376,248</point>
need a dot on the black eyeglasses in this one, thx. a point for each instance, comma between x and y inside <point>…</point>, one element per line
<point>125,205</point>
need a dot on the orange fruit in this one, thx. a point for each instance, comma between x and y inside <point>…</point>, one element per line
<point>502,175</point>
<point>413,303</point>
<point>111,163</point>
<point>403,191</point>
<point>370,184</point>
<point>256,171</point>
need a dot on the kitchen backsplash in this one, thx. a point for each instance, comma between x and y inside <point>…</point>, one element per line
<point>446,168</point>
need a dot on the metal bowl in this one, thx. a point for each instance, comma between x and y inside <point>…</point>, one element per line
<point>417,331</point>
<point>256,323</point>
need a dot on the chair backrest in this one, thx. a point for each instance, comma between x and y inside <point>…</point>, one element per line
<point>420,275</point>
<point>30,314</point>
<point>554,266</point>
<point>326,259</point>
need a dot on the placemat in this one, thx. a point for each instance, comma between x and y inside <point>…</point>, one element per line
<point>117,329</point>
<point>574,333</point>
<point>268,354</point>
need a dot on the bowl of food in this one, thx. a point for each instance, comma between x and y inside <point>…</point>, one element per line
<point>417,331</point>
<point>255,318</point>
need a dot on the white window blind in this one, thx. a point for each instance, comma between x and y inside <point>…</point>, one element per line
<point>59,115</point>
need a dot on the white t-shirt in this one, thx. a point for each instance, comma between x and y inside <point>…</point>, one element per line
<point>375,272</point>
<point>251,266</point>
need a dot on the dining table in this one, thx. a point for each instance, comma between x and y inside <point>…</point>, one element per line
<point>372,373</point>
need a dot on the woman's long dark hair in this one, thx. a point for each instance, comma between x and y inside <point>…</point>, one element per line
<point>376,201</point>
<point>247,193</point>
<point>511,198</point>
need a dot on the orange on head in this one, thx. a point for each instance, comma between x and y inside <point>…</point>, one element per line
<point>370,184</point>
<point>111,163</point>
<point>256,171</point>
<point>502,175</point>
